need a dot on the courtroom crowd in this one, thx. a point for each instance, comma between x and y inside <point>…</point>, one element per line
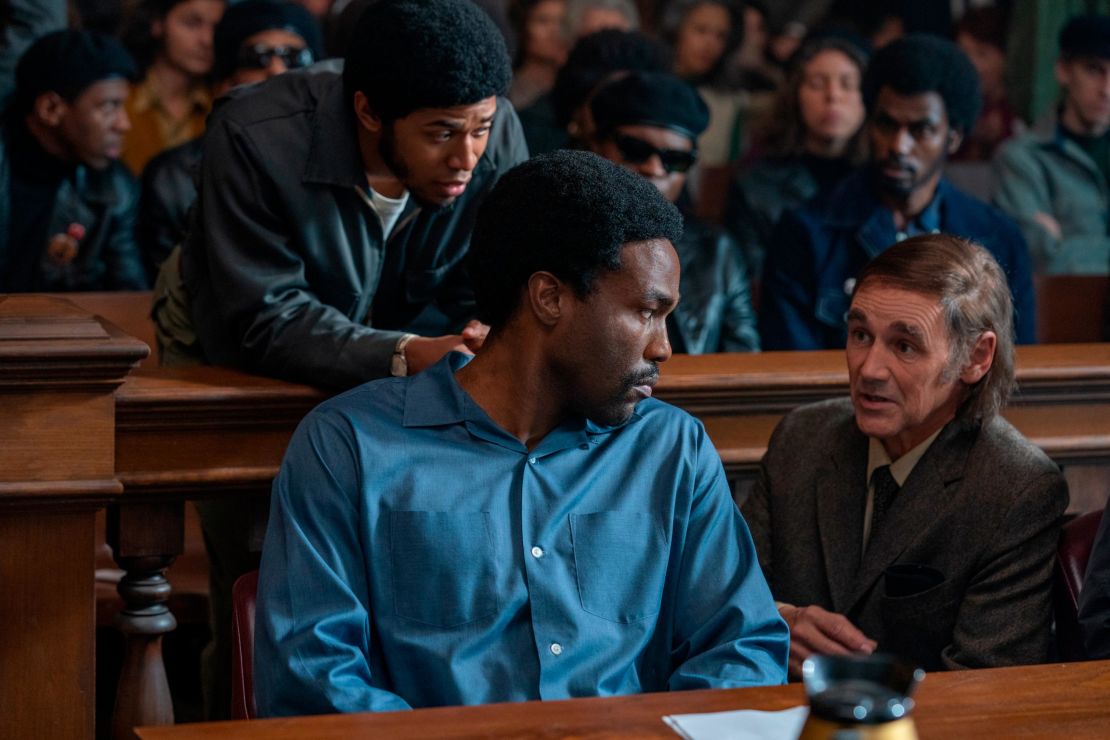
<point>488,223</point>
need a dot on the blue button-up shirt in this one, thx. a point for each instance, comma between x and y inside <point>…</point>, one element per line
<point>418,555</point>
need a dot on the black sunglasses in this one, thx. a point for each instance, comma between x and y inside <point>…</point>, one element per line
<point>636,150</point>
<point>259,56</point>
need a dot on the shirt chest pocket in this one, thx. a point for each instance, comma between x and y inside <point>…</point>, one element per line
<point>620,560</point>
<point>444,567</point>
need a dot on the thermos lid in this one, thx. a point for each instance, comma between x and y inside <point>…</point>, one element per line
<point>860,689</point>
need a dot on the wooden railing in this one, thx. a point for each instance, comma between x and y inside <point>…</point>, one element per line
<point>84,432</point>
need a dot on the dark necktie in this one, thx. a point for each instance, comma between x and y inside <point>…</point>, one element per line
<point>886,488</point>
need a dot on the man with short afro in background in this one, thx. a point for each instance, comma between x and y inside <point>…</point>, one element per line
<point>528,524</point>
<point>67,206</point>
<point>334,209</point>
<point>922,97</point>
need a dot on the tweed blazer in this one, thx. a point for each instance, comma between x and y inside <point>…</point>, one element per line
<point>959,575</point>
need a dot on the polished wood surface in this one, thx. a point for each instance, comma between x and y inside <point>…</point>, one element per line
<point>1069,307</point>
<point>58,369</point>
<point>130,311</point>
<point>202,431</point>
<point>1061,700</point>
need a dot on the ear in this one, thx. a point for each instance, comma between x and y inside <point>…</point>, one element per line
<point>367,118</point>
<point>157,28</point>
<point>955,138</point>
<point>50,108</point>
<point>980,358</point>
<point>1061,71</point>
<point>547,297</point>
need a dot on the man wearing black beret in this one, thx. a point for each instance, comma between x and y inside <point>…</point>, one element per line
<point>67,207</point>
<point>649,123</point>
<point>1054,182</point>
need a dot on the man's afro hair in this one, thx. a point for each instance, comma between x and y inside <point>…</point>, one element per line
<point>922,63</point>
<point>412,54</point>
<point>568,213</point>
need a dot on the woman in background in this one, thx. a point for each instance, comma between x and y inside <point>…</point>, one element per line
<point>541,48</point>
<point>816,139</point>
<point>172,39</point>
<point>703,34</point>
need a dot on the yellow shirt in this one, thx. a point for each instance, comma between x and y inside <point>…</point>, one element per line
<point>152,128</point>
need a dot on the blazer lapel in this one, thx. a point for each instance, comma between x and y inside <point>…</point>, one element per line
<point>841,499</point>
<point>914,508</point>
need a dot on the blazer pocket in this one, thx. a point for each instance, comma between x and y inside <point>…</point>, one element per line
<point>444,567</point>
<point>620,560</point>
<point>919,626</point>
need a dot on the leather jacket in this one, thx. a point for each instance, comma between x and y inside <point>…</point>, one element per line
<point>286,269</point>
<point>715,313</point>
<point>104,203</point>
<point>169,190</point>
<point>816,253</point>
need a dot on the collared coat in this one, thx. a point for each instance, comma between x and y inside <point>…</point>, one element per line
<point>1046,172</point>
<point>980,513</point>
<point>715,313</point>
<point>104,203</point>
<point>286,269</point>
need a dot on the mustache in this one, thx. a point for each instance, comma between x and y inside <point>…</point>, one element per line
<point>896,162</point>
<point>646,377</point>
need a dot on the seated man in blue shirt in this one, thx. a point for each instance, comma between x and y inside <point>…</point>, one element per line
<point>922,96</point>
<point>530,524</point>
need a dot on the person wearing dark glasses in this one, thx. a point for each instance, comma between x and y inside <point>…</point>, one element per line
<point>254,41</point>
<point>649,123</point>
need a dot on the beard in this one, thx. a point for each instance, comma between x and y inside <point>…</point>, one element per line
<point>617,409</point>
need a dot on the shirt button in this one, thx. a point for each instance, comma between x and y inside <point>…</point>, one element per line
<point>537,552</point>
<point>556,649</point>
<point>531,461</point>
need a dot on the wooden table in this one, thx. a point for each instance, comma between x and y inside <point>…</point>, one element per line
<point>1061,700</point>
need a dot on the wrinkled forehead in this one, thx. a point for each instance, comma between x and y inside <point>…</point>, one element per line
<point>885,304</point>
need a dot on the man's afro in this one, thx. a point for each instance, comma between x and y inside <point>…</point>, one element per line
<point>568,213</point>
<point>412,54</point>
<point>922,63</point>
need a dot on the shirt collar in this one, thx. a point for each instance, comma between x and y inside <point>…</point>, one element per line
<point>146,97</point>
<point>926,222</point>
<point>901,468</point>
<point>435,398</point>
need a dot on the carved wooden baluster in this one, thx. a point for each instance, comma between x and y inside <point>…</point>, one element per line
<point>145,539</point>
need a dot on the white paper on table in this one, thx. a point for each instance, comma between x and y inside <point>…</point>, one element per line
<point>742,724</point>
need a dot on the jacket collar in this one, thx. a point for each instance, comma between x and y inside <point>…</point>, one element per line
<point>854,206</point>
<point>334,158</point>
<point>434,398</point>
<point>1047,134</point>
